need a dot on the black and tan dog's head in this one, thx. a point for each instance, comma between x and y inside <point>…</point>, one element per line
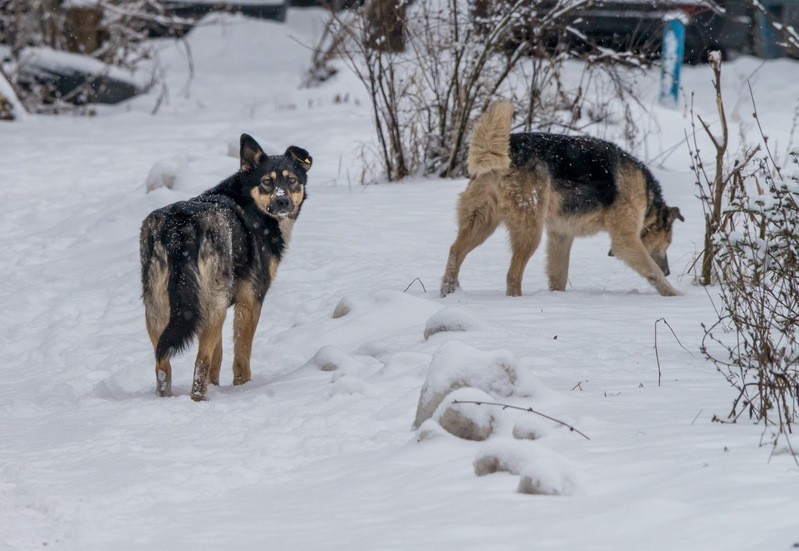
<point>276,183</point>
<point>657,232</point>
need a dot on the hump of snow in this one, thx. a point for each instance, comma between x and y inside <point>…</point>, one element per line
<point>467,421</point>
<point>541,470</point>
<point>191,173</point>
<point>164,172</point>
<point>330,358</point>
<point>456,365</point>
<point>453,319</point>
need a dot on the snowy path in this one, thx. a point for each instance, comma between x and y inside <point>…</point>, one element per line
<point>302,458</point>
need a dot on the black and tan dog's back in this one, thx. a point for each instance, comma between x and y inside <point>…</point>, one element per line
<point>572,185</point>
<point>219,249</point>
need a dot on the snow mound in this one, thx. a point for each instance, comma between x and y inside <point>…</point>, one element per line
<point>502,455</point>
<point>347,385</point>
<point>467,421</point>
<point>164,172</point>
<point>330,358</point>
<point>452,319</point>
<point>541,471</point>
<point>386,306</point>
<point>530,427</point>
<point>430,430</point>
<point>547,476</point>
<point>191,173</point>
<point>456,365</point>
<point>343,308</point>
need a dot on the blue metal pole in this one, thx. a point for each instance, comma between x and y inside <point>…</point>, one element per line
<point>671,62</point>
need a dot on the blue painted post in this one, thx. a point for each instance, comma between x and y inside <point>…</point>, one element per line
<point>671,62</point>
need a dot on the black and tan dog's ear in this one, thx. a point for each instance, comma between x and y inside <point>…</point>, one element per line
<point>674,214</point>
<point>301,156</point>
<point>251,153</point>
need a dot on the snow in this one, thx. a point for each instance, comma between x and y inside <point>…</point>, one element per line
<point>307,458</point>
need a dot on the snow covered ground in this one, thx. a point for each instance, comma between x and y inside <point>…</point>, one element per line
<point>317,452</point>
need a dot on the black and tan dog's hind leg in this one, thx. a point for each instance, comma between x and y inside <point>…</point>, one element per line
<point>156,303</point>
<point>216,364</point>
<point>209,341</point>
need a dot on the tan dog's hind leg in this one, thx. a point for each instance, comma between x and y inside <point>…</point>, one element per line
<point>524,240</point>
<point>477,220</point>
<point>558,253</point>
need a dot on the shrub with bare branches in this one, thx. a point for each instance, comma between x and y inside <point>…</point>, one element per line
<point>752,251</point>
<point>458,55</point>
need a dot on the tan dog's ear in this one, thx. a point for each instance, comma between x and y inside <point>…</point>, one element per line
<point>674,214</point>
<point>301,156</point>
<point>251,154</point>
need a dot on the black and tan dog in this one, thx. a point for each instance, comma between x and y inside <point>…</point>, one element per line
<point>222,248</point>
<point>575,186</point>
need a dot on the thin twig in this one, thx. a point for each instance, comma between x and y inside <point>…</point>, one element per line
<point>414,281</point>
<point>657,356</point>
<point>529,410</point>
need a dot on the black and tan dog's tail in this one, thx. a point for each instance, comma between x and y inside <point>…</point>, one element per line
<point>488,150</point>
<point>183,288</point>
<point>171,288</point>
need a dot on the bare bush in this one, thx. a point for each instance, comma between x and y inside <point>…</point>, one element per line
<point>752,247</point>
<point>457,57</point>
<point>712,185</point>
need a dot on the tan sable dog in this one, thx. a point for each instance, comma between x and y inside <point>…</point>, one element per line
<point>572,185</point>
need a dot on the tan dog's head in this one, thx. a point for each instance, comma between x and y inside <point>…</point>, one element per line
<point>656,235</point>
